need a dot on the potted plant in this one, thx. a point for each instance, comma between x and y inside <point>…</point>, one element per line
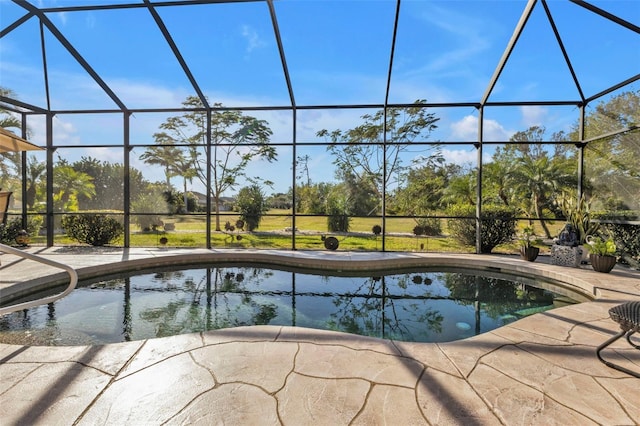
<point>602,253</point>
<point>578,213</point>
<point>528,244</point>
<point>377,230</point>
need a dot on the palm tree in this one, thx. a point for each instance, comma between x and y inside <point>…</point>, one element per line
<point>461,189</point>
<point>184,168</point>
<point>527,176</point>
<point>495,184</point>
<point>538,179</point>
<point>69,183</point>
<point>35,170</point>
<point>6,119</point>
<point>9,161</point>
<point>163,155</point>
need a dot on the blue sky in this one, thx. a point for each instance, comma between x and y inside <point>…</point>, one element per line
<point>337,52</point>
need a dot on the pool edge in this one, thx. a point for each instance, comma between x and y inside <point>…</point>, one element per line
<point>320,261</point>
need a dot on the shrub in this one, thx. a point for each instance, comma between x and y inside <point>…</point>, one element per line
<point>174,201</point>
<point>627,236</point>
<point>625,232</point>
<point>9,232</point>
<point>338,209</point>
<point>498,227</point>
<point>252,205</point>
<point>428,226</point>
<point>338,222</point>
<point>338,219</point>
<point>147,208</point>
<point>93,229</point>
<point>192,204</point>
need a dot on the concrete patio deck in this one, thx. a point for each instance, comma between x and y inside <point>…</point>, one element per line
<point>538,370</point>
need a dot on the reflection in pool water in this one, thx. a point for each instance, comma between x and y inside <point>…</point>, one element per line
<point>416,306</point>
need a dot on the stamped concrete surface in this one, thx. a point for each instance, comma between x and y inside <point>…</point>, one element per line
<point>538,370</point>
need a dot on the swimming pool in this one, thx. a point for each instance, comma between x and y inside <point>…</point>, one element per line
<point>418,305</point>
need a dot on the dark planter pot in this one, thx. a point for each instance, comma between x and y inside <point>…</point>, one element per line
<point>331,243</point>
<point>530,253</point>
<point>602,263</point>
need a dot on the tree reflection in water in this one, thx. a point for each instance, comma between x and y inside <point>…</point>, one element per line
<point>416,306</point>
<point>229,302</point>
<point>376,309</point>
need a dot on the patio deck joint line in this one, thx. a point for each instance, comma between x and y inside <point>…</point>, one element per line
<point>113,379</point>
<point>539,391</point>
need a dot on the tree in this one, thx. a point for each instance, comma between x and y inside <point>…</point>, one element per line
<point>6,119</point>
<point>35,173</point>
<point>423,187</point>
<point>108,180</point>
<point>174,161</point>
<point>251,204</point>
<point>68,184</point>
<point>236,140</point>
<point>302,166</point>
<point>359,155</point>
<point>461,189</point>
<point>360,195</point>
<point>526,176</point>
<point>338,205</point>
<point>184,169</point>
<point>280,200</point>
<point>611,164</point>
<point>163,155</point>
<point>540,180</point>
<point>312,198</point>
<point>10,162</point>
<point>496,188</point>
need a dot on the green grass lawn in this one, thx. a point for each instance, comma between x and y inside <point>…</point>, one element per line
<point>275,232</point>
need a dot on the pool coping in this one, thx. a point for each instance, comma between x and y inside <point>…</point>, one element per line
<point>317,261</point>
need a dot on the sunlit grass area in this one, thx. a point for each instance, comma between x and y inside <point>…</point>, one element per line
<point>275,232</point>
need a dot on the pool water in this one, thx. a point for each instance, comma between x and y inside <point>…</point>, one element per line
<point>421,306</point>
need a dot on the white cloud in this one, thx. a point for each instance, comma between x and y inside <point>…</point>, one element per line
<point>467,130</point>
<point>310,122</point>
<point>106,154</point>
<point>533,115</point>
<point>253,39</point>
<point>459,156</point>
<point>137,93</point>
<point>64,133</point>
<point>494,131</point>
